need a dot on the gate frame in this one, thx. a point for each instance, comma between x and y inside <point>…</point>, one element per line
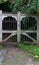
<point>18,17</point>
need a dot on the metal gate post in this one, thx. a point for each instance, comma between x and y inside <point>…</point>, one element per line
<point>38,30</point>
<point>18,27</point>
<point>0,25</point>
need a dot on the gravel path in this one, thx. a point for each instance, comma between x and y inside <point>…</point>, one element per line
<point>16,56</point>
<point>2,54</point>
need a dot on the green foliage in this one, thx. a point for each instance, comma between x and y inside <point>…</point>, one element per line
<point>25,6</point>
<point>1,47</point>
<point>27,24</point>
<point>5,6</point>
<point>1,1</point>
<point>32,49</point>
<point>38,6</point>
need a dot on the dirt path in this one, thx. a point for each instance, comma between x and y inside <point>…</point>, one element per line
<point>16,56</point>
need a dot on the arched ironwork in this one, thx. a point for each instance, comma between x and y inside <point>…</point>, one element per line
<point>9,23</point>
<point>29,23</point>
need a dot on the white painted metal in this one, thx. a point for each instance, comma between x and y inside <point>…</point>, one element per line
<point>6,31</point>
<point>0,25</point>
<point>9,36</point>
<point>18,27</point>
<point>29,37</point>
<point>18,17</point>
<point>29,31</point>
<point>38,29</point>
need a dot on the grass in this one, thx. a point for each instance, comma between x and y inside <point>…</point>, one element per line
<point>1,47</point>
<point>32,49</point>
